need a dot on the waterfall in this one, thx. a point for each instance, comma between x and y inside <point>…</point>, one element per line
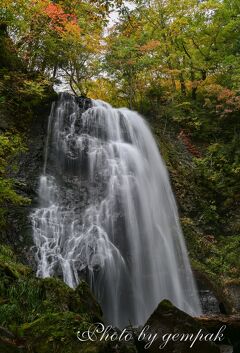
<point>107,213</point>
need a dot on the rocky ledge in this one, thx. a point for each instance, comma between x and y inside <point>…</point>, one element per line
<point>45,315</point>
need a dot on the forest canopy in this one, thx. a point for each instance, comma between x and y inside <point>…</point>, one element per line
<point>186,47</point>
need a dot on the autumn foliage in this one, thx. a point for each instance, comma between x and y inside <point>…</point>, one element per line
<point>59,20</point>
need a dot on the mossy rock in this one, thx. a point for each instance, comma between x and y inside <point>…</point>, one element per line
<point>27,299</point>
<point>57,333</point>
<point>57,296</point>
<point>88,302</point>
<point>9,266</point>
<point>10,271</point>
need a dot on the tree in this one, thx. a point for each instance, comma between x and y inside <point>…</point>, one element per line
<point>182,42</point>
<point>57,36</point>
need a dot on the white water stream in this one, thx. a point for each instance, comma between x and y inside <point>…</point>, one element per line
<point>107,213</point>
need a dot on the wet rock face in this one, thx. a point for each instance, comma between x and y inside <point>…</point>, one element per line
<point>18,233</point>
<point>18,230</point>
<point>218,298</point>
<point>210,304</point>
<point>232,292</point>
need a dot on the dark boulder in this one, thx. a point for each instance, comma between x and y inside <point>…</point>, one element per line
<point>170,324</point>
<point>232,323</point>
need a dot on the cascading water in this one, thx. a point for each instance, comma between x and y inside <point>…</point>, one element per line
<point>107,213</point>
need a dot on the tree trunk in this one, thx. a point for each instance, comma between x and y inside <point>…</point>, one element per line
<point>183,86</point>
<point>194,86</point>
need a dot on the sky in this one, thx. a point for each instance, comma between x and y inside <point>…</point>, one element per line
<point>114,14</point>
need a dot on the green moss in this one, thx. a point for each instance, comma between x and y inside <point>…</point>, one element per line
<point>24,302</point>
<point>56,294</point>
<point>55,331</point>
<point>58,297</point>
<point>217,256</point>
<point>57,325</point>
<point>45,314</point>
<point>58,333</point>
<point>87,301</point>
<point>9,267</point>
<point>10,272</point>
<point>166,305</point>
